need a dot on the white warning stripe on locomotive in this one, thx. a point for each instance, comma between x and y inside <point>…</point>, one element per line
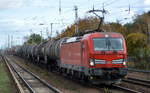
<point>72,39</point>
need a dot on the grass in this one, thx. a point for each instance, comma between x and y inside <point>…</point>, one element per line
<point>5,82</point>
<point>106,90</point>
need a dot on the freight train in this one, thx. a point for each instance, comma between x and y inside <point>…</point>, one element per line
<point>98,57</point>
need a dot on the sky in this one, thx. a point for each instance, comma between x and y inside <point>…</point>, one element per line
<point>21,18</point>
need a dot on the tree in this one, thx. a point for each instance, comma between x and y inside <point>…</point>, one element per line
<point>115,27</point>
<point>34,39</point>
<point>88,23</point>
<point>140,24</point>
<point>136,43</point>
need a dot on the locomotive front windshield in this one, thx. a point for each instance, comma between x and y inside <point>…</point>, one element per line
<point>105,44</point>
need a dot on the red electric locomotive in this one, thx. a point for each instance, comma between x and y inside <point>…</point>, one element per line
<point>99,57</point>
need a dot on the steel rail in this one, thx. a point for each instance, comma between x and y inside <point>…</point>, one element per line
<point>42,81</point>
<point>125,89</point>
<point>27,84</point>
<point>138,70</point>
<point>14,77</point>
<point>55,90</point>
<point>138,81</point>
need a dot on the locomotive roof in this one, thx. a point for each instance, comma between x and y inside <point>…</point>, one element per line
<point>77,39</point>
<point>103,34</point>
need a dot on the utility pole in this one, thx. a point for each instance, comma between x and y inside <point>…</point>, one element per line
<point>11,41</point>
<point>8,41</point>
<point>51,24</point>
<point>103,11</point>
<point>41,37</point>
<point>47,32</point>
<point>76,19</point>
<point>51,30</point>
<point>31,35</point>
<point>59,7</point>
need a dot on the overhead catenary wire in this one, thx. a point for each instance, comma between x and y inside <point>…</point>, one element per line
<point>111,2</point>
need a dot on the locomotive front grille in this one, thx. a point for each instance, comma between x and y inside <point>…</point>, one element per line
<point>118,61</point>
<point>98,61</point>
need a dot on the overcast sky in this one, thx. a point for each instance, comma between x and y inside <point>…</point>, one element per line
<point>18,17</point>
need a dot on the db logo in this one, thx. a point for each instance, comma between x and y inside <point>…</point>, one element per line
<point>108,62</point>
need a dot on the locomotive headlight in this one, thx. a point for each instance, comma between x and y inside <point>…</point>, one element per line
<point>124,63</point>
<point>92,63</point>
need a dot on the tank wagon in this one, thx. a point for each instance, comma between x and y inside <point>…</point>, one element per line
<point>98,57</point>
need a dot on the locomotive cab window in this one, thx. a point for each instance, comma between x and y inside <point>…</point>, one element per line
<point>115,44</point>
<point>104,44</point>
<point>100,44</point>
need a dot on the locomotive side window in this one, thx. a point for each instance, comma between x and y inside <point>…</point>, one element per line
<point>105,44</point>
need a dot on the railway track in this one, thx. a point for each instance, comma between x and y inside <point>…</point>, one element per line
<point>128,90</point>
<point>31,82</point>
<point>138,70</point>
<point>118,88</point>
<point>142,82</point>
